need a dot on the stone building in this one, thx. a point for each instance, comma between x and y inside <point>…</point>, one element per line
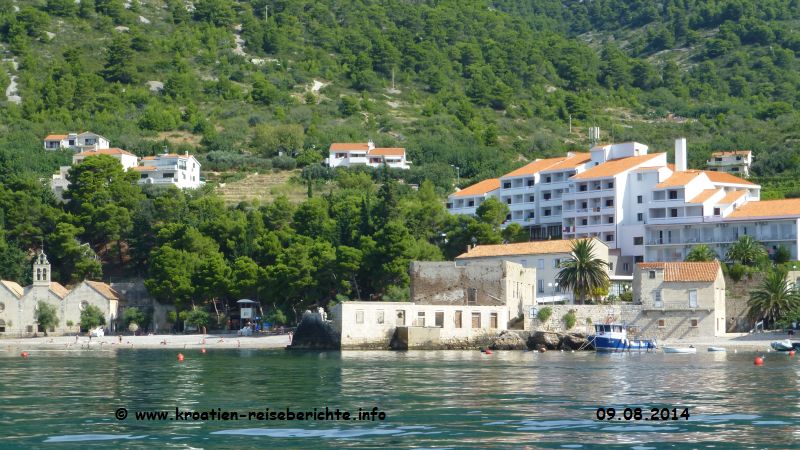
<point>18,305</point>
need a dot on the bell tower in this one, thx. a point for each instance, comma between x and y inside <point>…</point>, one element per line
<point>41,270</point>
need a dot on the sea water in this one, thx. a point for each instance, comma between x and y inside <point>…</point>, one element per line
<point>434,399</point>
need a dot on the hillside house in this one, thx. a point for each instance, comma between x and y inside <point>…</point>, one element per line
<point>182,171</point>
<point>76,141</point>
<point>366,154</point>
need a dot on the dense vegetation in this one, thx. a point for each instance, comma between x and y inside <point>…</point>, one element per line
<point>477,84</point>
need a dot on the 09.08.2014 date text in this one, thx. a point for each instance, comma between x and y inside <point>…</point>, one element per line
<point>654,414</point>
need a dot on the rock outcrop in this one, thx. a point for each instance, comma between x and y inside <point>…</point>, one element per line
<point>558,341</point>
<point>313,333</point>
<point>508,340</point>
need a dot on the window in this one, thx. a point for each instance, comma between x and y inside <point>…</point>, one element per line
<point>379,316</point>
<point>85,304</point>
<point>507,185</point>
<point>493,320</point>
<point>531,198</point>
<point>638,177</point>
<point>652,274</point>
<point>556,263</point>
<point>29,328</point>
<point>471,203</point>
<point>673,195</point>
<point>716,211</point>
<point>530,183</point>
<point>584,222</point>
<point>662,323</point>
<point>401,318</point>
<point>143,176</point>
<point>673,212</point>
<point>168,175</point>
<point>547,179</point>
<point>583,188</point>
<point>359,316</point>
<point>540,286</point>
<point>341,155</point>
<point>420,322</point>
<point>609,202</point>
<point>640,217</point>
<point>2,306</point>
<point>625,267</point>
<point>2,326</point>
<point>638,240</point>
<point>72,142</point>
<point>734,169</point>
<point>540,264</point>
<point>611,219</point>
<point>584,205</point>
<point>611,266</point>
<point>639,199</point>
<point>657,297</point>
<point>610,237</point>
<point>610,185</point>
<point>457,320</point>
<point>508,200</point>
<point>439,319</point>
<point>546,196</point>
<point>472,296</point>
<point>638,259</point>
<point>476,320</point>
<point>693,323</point>
<point>693,298</point>
<point>546,212</point>
<point>718,159</point>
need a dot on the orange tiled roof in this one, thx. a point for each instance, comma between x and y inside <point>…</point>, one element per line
<point>768,208</point>
<point>479,188</point>
<point>105,151</point>
<point>58,289</point>
<point>55,137</point>
<point>103,289</point>
<point>393,151</point>
<point>704,195</point>
<point>722,177</point>
<point>14,287</point>
<point>732,153</point>
<point>678,179</point>
<point>571,162</point>
<point>615,166</point>
<point>534,167</point>
<point>732,196</point>
<point>349,146</point>
<point>144,168</point>
<point>685,271</point>
<point>521,248</point>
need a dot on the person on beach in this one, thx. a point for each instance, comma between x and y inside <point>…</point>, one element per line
<point>120,338</point>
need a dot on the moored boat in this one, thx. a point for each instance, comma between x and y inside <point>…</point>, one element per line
<point>689,349</point>
<point>716,349</point>
<point>614,338</point>
<point>782,346</point>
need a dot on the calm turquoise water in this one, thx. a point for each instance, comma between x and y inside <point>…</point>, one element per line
<point>450,399</point>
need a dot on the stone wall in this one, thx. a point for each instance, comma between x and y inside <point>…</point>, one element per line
<point>135,294</point>
<point>737,295</point>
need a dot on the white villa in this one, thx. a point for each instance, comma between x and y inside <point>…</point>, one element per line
<point>736,162</point>
<point>18,305</point>
<point>636,202</point>
<point>366,154</point>
<point>76,141</point>
<point>182,171</point>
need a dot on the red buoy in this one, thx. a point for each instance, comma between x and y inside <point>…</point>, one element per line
<point>759,361</point>
<point>180,356</point>
<point>202,350</point>
<point>24,354</point>
<point>791,352</point>
<point>542,349</point>
<point>488,352</point>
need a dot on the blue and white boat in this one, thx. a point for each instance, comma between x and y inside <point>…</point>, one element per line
<point>614,338</point>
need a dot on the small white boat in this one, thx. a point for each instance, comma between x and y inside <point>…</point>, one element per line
<point>689,349</point>
<point>716,349</point>
<point>782,346</point>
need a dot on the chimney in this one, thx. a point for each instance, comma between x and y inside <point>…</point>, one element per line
<point>680,154</point>
<point>370,144</point>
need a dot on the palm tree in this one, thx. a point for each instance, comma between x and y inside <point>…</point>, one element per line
<point>583,273</point>
<point>774,298</point>
<point>746,251</point>
<point>701,253</point>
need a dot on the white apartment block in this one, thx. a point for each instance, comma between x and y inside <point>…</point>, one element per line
<point>637,203</point>
<point>736,162</point>
<point>183,171</point>
<point>366,154</point>
<point>76,141</point>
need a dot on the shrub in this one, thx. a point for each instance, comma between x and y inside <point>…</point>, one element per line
<point>276,317</point>
<point>570,319</point>
<point>544,314</point>
<point>284,163</point>
<point>46,316</point>
<point>198,318</point>
<point>626,296</point>
<point>782,255</point>
<point>737,272</point>
<point>132,315</point>
<point>92,317</point>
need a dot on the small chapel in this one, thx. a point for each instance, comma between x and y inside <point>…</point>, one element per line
<point>18,304</point>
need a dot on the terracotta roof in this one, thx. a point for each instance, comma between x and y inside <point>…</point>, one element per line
<point>387,151</point>
<point>521,248</point>
<point>534,167</point>
<point>615,166</point>
<point>58,289</point>
<point>571,162</point>
<point>685,271</point>
<point>479,188</point>
<point>14,287</point>
<point>678,179</point>
<point>105,151</point>
<point>144,168</point>
<point>768,208</point>
<point>103,289</point>
<point>732,196</point>
<point>722,177</point>
<point>349,146</point>
<point>55,137</point>
<point>704,195</point>
<point>732,153</point>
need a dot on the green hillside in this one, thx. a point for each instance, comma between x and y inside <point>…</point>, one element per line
<point>264,87</point>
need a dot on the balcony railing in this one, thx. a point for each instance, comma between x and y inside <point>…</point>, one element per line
<point>649,304</point>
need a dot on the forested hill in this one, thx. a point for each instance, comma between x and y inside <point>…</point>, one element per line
<point>471,77</point>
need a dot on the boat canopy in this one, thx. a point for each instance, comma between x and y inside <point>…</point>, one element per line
<point>608,328</point>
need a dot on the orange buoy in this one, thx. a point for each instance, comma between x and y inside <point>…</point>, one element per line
<point>542,349</point>
<point>791,352</point>
<point>202,350</point>
<point>759,361</point>
<point>180,356</point>
<point>488,352</point>
<point>24,354</point>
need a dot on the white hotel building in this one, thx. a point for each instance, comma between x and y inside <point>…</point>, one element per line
<point>637,203</point>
